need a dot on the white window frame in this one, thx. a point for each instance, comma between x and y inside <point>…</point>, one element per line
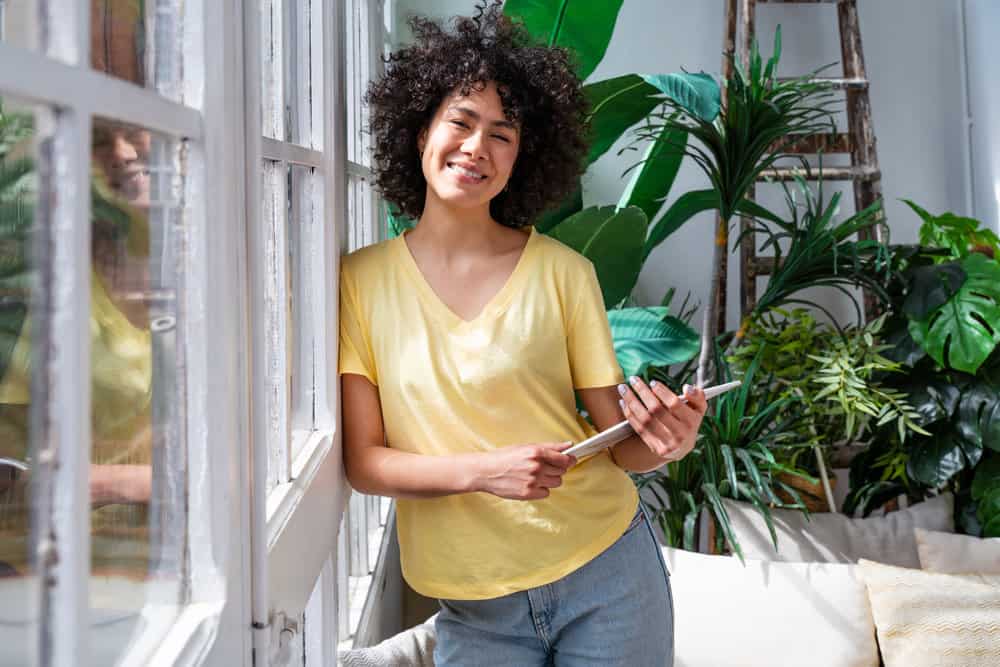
<point>59,80</point>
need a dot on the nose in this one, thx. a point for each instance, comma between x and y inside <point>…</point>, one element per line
<point>122,152</point>
<point>474,145</point>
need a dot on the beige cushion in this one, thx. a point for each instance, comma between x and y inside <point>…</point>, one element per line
<point>410,648</point>
<point>837,538</point>
<point>778,614</point>
<point>928,618</point>
<point>957,554</point>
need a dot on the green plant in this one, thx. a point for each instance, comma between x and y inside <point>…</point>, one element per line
<point>942,325</point>
<point>761,117</point>
<point>835,375</point>
<point>821,252</point>
<point>735,457</point>
<point>958,234</point>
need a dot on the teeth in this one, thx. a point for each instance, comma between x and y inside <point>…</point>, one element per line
<point>467,172</point>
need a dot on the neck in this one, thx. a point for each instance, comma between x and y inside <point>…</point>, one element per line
<point>457,228</point>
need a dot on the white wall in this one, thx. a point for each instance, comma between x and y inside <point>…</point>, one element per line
<point>913,55</point>
<point>983,22</point>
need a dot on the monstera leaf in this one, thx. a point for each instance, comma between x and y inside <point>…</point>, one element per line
<point>611,239</point>
<point>986,494</point>
<point>582,26</point>
<point>650,336</point>
<point>933,461</point>
<point>966,328</point>
<point>616,105</point>
<point>978,418</point>
<point>698,94</point>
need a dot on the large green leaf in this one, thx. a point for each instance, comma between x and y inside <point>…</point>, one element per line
<point>988,512</point>
<point>698,94</point>
<point>616,105</point>
<point>396,222</point>
<point>930,287</point>
<point>965,330</point>
<point>978,418</point>
<point>611,239</point>
<point>569,206</point>
<point>933,400</point>
<point>987,476</point>
<point>650,336</point>
<point>687,206</point>
<point>583,26</point>
<point>653,179</point>
<point>933,461</point>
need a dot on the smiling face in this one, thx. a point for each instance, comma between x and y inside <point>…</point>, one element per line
<point>469,149</point>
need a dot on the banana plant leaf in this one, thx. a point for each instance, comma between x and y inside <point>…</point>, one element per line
<point>699,94</point>
<point>616,105</point>
<point>582,26</point>
<point>655,174</point>
<point>552,217</point>
<point>964,331</point>
<point>611,239</point>
<point>650,336</point>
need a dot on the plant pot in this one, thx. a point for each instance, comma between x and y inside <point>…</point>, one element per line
<point>812,494</point>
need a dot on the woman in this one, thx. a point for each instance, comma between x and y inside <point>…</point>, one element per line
<point>462,342</point>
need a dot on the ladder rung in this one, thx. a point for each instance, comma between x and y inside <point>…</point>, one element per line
<point>829,174</point>
<point>835,83</point>
<point>798,2</point>
<point>820,143</point>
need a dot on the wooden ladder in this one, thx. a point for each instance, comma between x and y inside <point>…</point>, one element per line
<point>858,141</point>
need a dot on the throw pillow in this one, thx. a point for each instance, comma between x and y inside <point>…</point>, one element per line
<point>957,554</point>
<point>410,648</point>
<point>837,538</point>
<point>779,614</point>
<point>928,618</point>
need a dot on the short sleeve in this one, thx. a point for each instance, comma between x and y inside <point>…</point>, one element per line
<point>355,346</point>
<point>591,350</point>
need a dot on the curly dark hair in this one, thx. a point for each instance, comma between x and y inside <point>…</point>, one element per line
<point>538,89</point>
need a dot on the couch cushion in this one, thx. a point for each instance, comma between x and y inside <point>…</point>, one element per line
<point>837,538</point>
<point>957,554</point>
<point>929,618</point>
<point>779,614</point>
<point>411,648</point>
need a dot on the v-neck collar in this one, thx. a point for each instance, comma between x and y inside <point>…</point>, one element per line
<point>492,307</point>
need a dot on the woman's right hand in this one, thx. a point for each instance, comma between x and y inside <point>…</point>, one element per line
<point>524,472</point>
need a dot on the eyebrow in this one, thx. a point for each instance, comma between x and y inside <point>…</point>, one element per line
<point>472,114</point>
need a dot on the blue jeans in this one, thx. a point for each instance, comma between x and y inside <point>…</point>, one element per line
<point>615,610</point>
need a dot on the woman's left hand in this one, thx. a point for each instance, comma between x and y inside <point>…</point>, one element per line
<point>666,424</point>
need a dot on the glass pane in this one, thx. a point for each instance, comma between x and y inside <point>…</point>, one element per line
<point>301,237</point>
<point>138,455</point>
<point>139,41</point>
<point>272,70</point>
<point>302,85</point>
<point>18,23</point>
<point>19,596</point>
<point>274,264</point>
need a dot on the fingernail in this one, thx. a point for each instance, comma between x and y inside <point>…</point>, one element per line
<point>621,404</point>
<point>687,388</point>
<point>622,389</point>
<point>653,383</point>
<point>633,379</point>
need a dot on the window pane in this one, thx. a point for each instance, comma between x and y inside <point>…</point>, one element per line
<point>274,265</point>
<point>18,196</point>
<point>18,23</point>
<point>303,238</point>
<point>303,62</point>
<point>272,71</point>
<point>139,41</point>
<point>138,455</point>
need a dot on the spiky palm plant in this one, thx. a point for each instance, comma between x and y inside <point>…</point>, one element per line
<point>820,253</point>
<point>760,118</point>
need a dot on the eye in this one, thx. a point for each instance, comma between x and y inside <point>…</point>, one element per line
<point>459,123</point>
<point>502,138</point>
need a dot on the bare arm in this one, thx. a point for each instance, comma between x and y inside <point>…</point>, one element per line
<point>666,428</point>
<point>521,472</point>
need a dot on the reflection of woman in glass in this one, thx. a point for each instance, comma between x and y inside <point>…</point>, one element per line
<point>121,373</point>
<point>462,342</point>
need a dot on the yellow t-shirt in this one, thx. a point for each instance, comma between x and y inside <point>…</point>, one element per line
<point>504,378</point>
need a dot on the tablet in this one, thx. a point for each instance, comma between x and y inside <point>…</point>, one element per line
<point>623,430</point>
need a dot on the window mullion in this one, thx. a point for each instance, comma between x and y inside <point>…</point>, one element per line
<point>61,382</point>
